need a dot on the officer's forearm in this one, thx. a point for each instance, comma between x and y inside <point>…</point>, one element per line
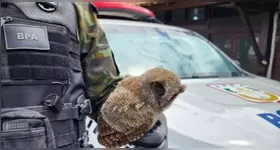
<point>100,71</point>
<point>97,99</point>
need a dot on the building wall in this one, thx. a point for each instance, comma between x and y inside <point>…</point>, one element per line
<point>224,28</point>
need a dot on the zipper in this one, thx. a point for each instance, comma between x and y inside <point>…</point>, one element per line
<point>5,19</point>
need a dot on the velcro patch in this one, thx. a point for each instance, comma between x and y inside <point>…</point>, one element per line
<point>9,126</point>
<point>20,36</point>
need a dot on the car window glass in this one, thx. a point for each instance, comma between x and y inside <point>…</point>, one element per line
<point>137,49</point>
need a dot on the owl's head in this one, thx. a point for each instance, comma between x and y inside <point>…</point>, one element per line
<point>160,87</point>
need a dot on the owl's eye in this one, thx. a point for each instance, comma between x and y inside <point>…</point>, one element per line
<point>158,88</point>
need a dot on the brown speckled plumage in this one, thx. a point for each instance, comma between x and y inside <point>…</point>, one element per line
<point>134,106</point>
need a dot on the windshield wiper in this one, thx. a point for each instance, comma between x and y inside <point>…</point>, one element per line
<point>201,76</point>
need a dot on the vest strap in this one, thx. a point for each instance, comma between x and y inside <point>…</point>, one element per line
<point>67,112</point>
<point>65,139</point>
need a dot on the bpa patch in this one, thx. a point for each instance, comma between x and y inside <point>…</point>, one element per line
<point>20,36</point>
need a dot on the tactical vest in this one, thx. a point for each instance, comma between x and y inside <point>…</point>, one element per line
<point>42,88</point>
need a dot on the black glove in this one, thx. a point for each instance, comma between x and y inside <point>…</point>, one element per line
<point>156,137</point>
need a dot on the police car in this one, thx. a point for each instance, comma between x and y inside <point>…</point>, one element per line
<point>223,106</point>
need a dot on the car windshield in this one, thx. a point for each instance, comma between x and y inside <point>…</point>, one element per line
<point>139,48</point>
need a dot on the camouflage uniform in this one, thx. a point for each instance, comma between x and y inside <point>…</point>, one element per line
<point>100,72</point>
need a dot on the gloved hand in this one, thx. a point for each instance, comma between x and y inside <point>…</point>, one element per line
<point>156,137</point>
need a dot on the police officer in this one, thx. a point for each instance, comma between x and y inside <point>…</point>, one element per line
<point>56,69</point>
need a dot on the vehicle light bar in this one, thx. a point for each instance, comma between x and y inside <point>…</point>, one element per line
<point>122,5</point>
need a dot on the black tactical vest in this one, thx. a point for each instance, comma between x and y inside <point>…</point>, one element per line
<point>42,98</point>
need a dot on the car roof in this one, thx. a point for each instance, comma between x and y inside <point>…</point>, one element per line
<point>142,24</point>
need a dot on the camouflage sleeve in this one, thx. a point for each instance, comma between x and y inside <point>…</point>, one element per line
<point>100,72</point>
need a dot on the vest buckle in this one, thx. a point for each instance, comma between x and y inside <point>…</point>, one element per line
<point>54,102</point>
<point>85,108</point>
<point>85,140</point>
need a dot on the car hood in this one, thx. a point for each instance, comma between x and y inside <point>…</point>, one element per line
<point>211,113</point>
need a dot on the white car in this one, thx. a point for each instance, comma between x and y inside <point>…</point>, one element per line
<point>223,106</point>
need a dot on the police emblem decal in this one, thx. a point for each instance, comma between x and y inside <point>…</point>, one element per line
<point>247,92</point>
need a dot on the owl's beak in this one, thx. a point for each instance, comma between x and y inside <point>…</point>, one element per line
<point>183,88</point>
<point>172,97</point>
